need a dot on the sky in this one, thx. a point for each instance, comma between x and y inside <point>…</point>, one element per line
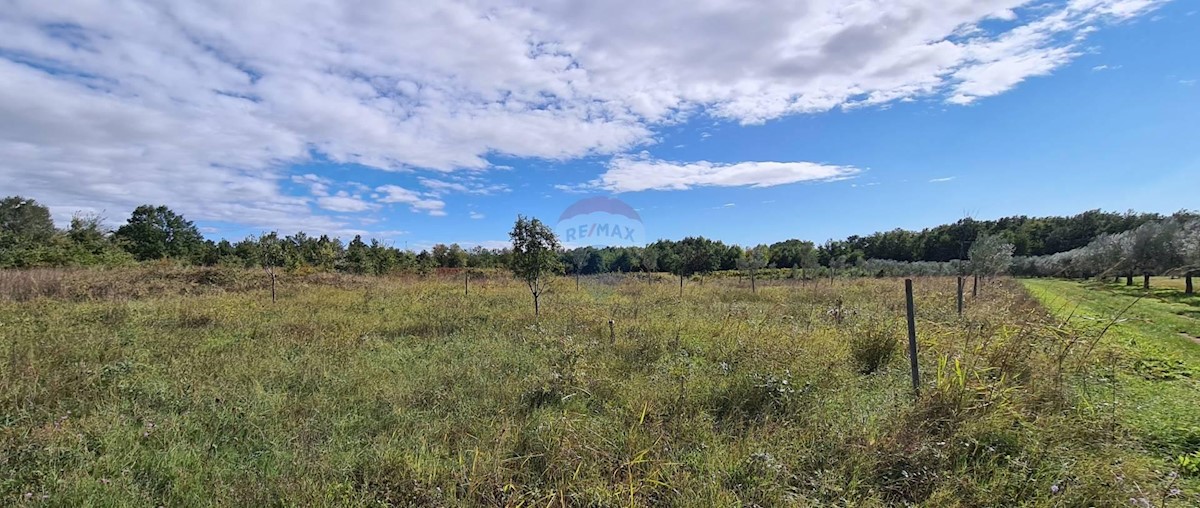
<point>747,121</point>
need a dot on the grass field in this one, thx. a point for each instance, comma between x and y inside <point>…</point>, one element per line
<point>406,392</point>
<point>1153,355</point>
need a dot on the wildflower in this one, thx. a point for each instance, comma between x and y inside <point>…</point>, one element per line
<point>1054,489</point>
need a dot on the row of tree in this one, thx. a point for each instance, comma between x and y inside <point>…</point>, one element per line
<point>1169,246</point>
<point>1089,244</point>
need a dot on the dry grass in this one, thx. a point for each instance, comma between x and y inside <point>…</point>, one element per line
<point>405,392</point>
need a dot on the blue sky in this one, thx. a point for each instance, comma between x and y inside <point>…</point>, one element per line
<point>748,126</point>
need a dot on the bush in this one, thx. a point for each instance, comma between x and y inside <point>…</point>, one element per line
<point>872,345</point>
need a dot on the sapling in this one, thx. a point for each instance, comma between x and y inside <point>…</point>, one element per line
<point>534,256</point>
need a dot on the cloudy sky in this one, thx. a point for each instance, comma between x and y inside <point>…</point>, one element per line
<point>753,120</point>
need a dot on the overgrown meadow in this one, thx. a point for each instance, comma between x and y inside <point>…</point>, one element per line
<point>182,387</point>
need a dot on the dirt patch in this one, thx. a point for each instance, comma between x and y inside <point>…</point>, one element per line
<point>1190,337</point>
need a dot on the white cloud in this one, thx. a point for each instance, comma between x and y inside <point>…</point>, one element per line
<point>417,202</point>
<point>343,204</point>
<point>477,215</point>
<point>202,105</point>
<point>467,185</point>
<point>629,174</point>
<point>940,180</point>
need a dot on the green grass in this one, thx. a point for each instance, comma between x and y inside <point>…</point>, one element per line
<point>1152,354</point>
<point>405,392</point>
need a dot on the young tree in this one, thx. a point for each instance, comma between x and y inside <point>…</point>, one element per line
<point>990,255</point>
<point>271,256</point>
<point>693,255</point>
<point>579,260</point>
<point>157,232</point>
<point>534,256</point>
<point>751,261</point>
<point>649,261</point>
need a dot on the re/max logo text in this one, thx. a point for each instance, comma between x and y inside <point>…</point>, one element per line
<point>599,230</point>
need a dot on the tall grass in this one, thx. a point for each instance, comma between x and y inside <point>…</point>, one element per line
<point>405,392</point>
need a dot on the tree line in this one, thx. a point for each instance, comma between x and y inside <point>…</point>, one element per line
<point>1041,246</point>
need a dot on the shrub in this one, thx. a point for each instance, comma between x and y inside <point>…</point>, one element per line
<point>872,344</point>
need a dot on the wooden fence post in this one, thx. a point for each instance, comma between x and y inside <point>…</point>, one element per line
<point>466,282</point>
<point>961,282</point>
<point>912,336</point>
<point>612,334</point>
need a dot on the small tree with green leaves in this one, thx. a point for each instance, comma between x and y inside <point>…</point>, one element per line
<point>534,256</point>
<point>691,256</point>
<point>751,261</point>
<point>990,255</point>
<point>649,262</point>
<point>271,256</point>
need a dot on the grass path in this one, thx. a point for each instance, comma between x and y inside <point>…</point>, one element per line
<point>1153,352</point>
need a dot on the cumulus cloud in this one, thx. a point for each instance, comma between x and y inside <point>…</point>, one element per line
<point>629,174</point>
<point>204,105</point>
<point>344,203</point>
<point>415,200</point>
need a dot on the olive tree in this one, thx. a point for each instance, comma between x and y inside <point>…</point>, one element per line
<point>1149,249</point>
<point>1186,245</point>
<point>534,256</point>
<point>990,255</point>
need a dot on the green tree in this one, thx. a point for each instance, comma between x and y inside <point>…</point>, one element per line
<point>534,256</point>
<point>753,260</point>
<point>271,256</point>
<point>990,255</point>
<point>24,220</point>
<point>694,255</point>
<point>157,232</point>
<point>358,256</point>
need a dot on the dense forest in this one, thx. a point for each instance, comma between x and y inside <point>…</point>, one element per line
<point>1079,245</point>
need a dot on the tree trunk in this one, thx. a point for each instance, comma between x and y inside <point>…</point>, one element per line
<point>272,287</point>
<point>537,310</point>
<point>752,288</point>
<point>681,286</point>
<point>1187,284</point>
<point>1145,281</point>
<point>1129,280</point>
<point>466,284</point>
<point>975,287</point>
<point>576,280</point>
